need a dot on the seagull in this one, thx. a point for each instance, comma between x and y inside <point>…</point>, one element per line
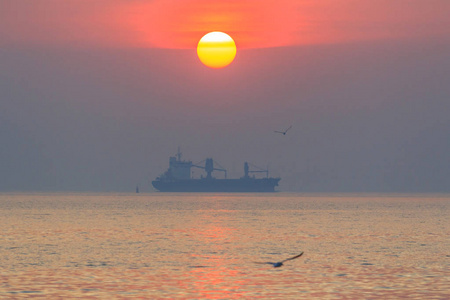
<point>283,132</point>
<point>280,263</point>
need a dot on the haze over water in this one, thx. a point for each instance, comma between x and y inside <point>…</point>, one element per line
<point>194,246</point>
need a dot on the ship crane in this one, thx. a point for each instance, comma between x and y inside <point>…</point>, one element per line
<point>246,170</point>
<point>209,167</point>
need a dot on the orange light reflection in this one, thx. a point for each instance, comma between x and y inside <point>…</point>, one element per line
<point>217,276</point>
<point>180,24</point>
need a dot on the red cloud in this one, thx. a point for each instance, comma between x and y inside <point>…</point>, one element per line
<point>251,23</point>
<point>180,24</point>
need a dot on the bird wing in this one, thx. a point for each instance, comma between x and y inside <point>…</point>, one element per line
<point>279,131</point>
<point>288,128</point>
<point>264,263</point>
<point>293,257</point>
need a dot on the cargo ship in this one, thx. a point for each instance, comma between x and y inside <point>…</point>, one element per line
<point>178,179</point>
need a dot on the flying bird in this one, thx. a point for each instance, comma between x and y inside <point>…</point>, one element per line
<point>280,263</point>
<point>283,132</point>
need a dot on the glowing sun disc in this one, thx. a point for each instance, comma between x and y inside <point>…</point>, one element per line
<point>216,50</point>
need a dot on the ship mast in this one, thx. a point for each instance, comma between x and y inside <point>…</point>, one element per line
<point>179,154</point>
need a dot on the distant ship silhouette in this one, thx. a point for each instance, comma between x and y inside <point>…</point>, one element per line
<point>178,179</point>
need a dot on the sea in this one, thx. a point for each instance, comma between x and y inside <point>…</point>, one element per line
<point>210,246</point>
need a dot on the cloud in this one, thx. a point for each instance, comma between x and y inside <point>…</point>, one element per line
<point>252,23</point>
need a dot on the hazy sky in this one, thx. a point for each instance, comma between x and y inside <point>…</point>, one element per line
<point>96,95</point>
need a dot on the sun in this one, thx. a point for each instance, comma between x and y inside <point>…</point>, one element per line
<point>216,50</point>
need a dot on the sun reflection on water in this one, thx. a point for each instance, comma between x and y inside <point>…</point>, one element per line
<point>203,246</point>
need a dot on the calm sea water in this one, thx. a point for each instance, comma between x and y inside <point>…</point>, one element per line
<point>204,246</point>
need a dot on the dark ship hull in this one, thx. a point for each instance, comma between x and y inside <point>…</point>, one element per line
<point>243,185</point>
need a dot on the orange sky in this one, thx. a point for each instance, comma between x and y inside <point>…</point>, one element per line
<point>252,23</point>
<point>92,95</point>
